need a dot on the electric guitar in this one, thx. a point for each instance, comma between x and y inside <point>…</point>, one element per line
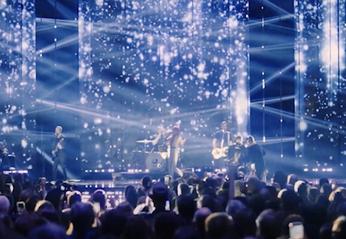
<point>219,153</point>
<point>58,147</point>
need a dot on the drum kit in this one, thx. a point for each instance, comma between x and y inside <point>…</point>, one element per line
<point>149,158</point>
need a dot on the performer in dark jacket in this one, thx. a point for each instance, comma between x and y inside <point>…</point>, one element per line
<point>254,154</point>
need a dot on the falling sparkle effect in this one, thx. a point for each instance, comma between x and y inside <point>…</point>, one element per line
<point>320,75</point>
<point>143,63</point>
<point>157,62</point>
<point>17,74</point>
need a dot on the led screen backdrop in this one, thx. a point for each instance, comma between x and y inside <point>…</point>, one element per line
<point>17,77</point>
<point>321,84</point>
<point>146,63</point>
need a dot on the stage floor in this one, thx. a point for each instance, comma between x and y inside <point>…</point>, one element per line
<point>90,185</point>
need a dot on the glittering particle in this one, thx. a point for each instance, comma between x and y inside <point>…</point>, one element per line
<point>24,143</point>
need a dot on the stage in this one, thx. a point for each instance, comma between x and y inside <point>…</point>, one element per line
<point>173,118</point>
<point>114,85</point>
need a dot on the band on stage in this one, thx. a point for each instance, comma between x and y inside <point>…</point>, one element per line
<point>227,150</point>
<point>164,151</point>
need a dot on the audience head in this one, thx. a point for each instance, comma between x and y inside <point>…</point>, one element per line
<point>313,194</point>
<point>82,217</point>
<point>159,195</point>
<point>131,195</point>
<point>280,178</point>
<point>30,201</point>
<point>268,224</point>
<point>46,210</point>
<point>137,228</point>
<point>165,225</point>
<point>292,179</point>
<point>183,189</point>
<point>186,206</point>
<point>339,228</point>
<point>208,201</point>
<point>113,223</point>
<point>73,197</point>
<point>234,206</point>
<point>26,222</point>
<point>4,206</point>
<point>199,219</point>
<point>219,225</point>
<point>290,201</point>
<point>301,188</point>
<point>245,222</point>
<point>320,208</point>
<point>147,182</point>
<point>56,196</point>
<point>187,232</point>
<point>99,196</point>
<point>48,231</point>
<point>43,204</point>
<point>253,185</point>
<point>125,209</point>
<point>323,181</point>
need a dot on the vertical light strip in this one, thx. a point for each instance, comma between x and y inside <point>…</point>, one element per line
<point>320,65</point>
<point>85,71</point>
<point>28,73</point>
<point>18,73</point>
<point>239,57</point>
<point>332,52</point>
<point>341,14</point>
<point>85,27</point>
<point>301,47</point>
<point>263,86</point>
<point>28,47</point>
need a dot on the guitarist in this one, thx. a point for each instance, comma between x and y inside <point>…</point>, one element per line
<point>58,153</point>
<point>221,141</point>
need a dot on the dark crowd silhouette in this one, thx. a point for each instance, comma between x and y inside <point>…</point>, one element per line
<point>216,206</point>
